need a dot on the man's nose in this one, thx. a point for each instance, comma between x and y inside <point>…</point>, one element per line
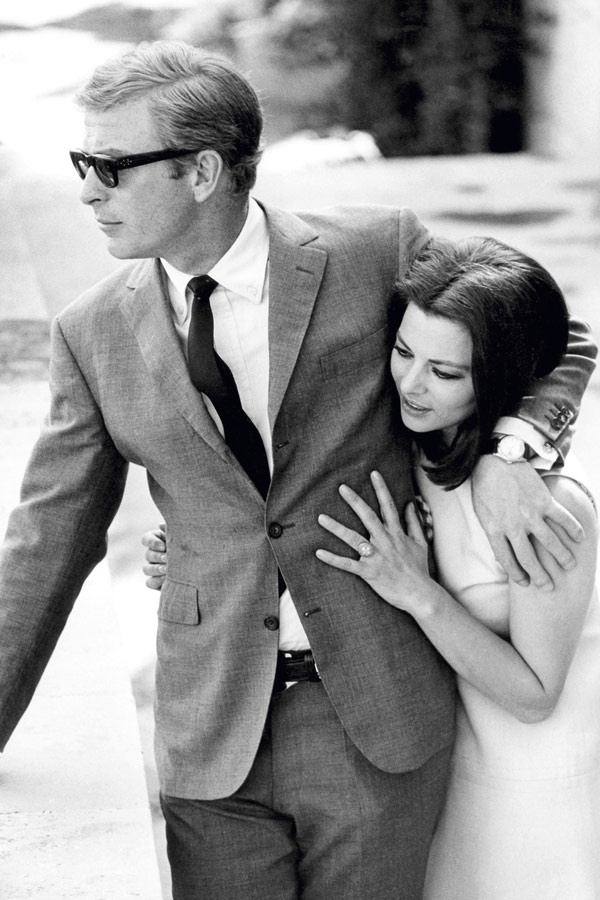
<point>92,188</point>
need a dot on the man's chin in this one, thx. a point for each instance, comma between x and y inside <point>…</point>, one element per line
<point>121,251</point>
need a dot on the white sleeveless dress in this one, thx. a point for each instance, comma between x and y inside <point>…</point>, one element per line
<point>522,814</point>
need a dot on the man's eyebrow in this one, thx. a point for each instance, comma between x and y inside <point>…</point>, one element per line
<point>110,151</point>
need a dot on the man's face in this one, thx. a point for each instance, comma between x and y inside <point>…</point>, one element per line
<point>149,213</point>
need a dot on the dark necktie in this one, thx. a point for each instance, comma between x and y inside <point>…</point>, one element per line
<point>210,375</point>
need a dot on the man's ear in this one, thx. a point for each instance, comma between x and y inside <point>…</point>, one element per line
<point>207,174</point>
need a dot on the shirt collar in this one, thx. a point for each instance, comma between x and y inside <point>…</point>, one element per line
<point>242,270</point>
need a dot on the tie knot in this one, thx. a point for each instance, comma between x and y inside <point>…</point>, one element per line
<point>202,287</point>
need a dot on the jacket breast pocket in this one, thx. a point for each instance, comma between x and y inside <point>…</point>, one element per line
<point>179,603</point>
<point>370,352</point>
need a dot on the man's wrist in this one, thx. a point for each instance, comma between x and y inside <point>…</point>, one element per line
<point>545,454</point>
<point>510,448</point>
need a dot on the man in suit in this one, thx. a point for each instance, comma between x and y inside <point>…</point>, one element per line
<point>332,786</point>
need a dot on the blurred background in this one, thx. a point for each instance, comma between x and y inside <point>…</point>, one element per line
<point>481,115</point>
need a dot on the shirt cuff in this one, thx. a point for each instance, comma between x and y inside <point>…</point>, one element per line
<point>545,452</point>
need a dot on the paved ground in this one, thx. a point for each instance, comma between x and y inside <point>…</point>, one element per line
<point>52,251</point>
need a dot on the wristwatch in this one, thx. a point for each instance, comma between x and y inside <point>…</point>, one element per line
<point>510,448</point>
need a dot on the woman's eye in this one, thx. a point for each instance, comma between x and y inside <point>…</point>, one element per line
<point>403,352</point>
<point>446,376</point>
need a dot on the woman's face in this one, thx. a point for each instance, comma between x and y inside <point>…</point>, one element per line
<point>431,366</point>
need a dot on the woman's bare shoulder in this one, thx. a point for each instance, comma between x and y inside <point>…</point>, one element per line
<point>576,497</point>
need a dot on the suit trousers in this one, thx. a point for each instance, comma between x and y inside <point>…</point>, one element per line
<point>313,820</point>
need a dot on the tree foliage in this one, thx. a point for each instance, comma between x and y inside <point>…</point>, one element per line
<point>424,76</point>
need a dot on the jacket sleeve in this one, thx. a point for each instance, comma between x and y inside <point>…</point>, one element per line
<point>71,490</point>
<point>554,402</point>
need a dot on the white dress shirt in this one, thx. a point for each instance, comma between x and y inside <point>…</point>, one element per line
<point>240,307</point>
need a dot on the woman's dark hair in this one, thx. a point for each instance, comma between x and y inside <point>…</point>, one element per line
<point>518,321</point>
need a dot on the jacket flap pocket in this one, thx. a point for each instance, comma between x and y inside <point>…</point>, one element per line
<point>354,357</point>
<point>179,603</point>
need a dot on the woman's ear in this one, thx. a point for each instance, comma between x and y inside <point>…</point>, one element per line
<point>207,174</point>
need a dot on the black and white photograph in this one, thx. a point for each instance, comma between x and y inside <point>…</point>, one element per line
<point>299,418</point>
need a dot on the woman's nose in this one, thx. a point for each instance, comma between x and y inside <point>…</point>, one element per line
<point>412,382</point>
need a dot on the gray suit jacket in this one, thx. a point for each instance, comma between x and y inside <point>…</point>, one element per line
<point>121,394</point>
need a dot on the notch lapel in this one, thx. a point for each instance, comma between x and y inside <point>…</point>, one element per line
<point>295,275</point>
<point>148,312</point>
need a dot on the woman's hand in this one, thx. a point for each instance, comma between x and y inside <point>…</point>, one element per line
<point>393,563</point>
<point>155,566</point>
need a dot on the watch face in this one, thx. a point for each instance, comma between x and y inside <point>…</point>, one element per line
<point>511,448</point>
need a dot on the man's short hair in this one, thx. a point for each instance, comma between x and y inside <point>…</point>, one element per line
<point>197,100</point>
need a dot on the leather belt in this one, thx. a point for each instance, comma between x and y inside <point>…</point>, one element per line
<point>294,665</point>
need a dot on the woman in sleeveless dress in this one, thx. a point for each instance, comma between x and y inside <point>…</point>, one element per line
<point>522,814</point>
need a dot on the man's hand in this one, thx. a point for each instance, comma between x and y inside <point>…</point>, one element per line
<point>514,506</point>
<point>156,558</point>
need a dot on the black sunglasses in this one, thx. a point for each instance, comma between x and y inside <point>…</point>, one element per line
<point>107,167</point>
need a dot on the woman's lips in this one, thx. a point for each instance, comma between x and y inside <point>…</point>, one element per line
<point>413,408</point>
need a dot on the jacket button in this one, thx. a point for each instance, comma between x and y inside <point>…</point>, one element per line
<point>272,623</point>
<point>556,424</point>
<point>275,530</point>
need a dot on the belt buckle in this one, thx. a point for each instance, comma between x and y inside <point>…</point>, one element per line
<point>304,663</point>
